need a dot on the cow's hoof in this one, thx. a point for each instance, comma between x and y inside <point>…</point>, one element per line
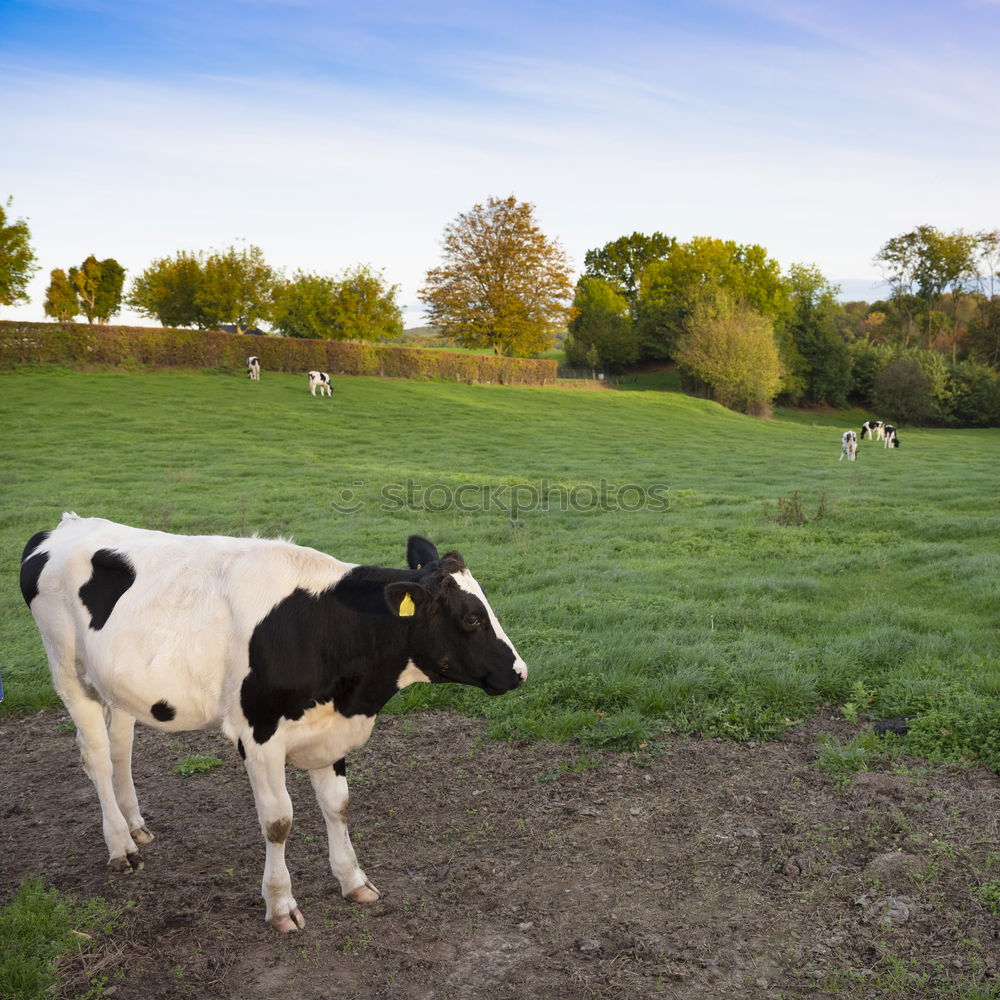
<point>141,835</point>
<point>130,863</point>
<point>293,921</point>
<point>366,893</point>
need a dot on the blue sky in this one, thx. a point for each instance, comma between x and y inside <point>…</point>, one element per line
<point>334,134</point>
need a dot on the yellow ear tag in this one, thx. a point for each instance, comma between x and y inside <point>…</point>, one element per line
<point>406,607</point>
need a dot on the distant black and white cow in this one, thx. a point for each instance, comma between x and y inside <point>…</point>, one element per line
<point>891,437</point>
<point>321,381</point>
<point>253,368</point>
<point>874,430</point>
<point>848,446</point>
<point>289,652</point>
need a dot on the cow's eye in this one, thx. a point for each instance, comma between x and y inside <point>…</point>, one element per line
<point>473,621</point>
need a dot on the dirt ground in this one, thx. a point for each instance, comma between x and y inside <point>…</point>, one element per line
<point>710,869</point>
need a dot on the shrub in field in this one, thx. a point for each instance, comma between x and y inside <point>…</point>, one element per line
<point>975,395</point>
<point>903,389</point>
<point>867,362</point>
<point>791,511</point>
<point>731,348</point>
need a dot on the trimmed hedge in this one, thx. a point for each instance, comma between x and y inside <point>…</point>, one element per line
<point>78,345</point>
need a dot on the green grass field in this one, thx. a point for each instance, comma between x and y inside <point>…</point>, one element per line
<point>665,585</point>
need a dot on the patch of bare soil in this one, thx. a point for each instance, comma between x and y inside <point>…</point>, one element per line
<point>523,870</point>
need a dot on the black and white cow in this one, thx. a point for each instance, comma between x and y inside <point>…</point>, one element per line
<point>321,381</point>
<point>891,437</point>
<point>289,652</point>
<point>253,368</point>
<point>848,446</point>
<point>874,430</point>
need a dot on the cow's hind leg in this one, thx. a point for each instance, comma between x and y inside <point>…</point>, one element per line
<point>90,718</point>
<point>330,785</point>
<point>266,768</point>
<point>121,729</point>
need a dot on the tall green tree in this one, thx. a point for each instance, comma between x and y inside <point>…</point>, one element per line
<point>17,258</point>
<point>622,261</point>
<point>366,305</point>
<point>237,286</point>
<point>167,291</point>
<point>86,280</point>
<point>671,288</point>
<point>109,291</point>
<point>61,302</point>
<point>306,306</point>
<point>98,286</point>
<point>357,306</point>
<point>601,331</point>
<point>920,266</point>
<point>813,328</point>
<point>502,284</point>
<point>984,330</point>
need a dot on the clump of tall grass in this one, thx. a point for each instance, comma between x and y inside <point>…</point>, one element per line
<point>789,510</point>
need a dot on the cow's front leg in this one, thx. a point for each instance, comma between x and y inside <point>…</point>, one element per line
<point>330,785</point>
<point>266,768</point>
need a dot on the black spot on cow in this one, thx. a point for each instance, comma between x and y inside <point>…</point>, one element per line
<point>112,576</point>
<point>33,543</point>
<point>163,711</point>
<point>340,767</point>
<point>315,649</point>
<point>242,749</point>
<point>31,570</point>
<point>363,588</point>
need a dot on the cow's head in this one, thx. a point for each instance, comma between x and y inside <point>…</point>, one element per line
<point>455,636</point>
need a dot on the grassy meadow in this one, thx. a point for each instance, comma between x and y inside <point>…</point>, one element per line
<point>666,565</point>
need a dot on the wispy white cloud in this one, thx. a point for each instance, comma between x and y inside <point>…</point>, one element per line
<point>808,134</point>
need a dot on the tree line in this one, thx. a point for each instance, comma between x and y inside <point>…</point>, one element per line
<point>746,334</point>
<point>502,284</point>
<point>740,330</point>
<point>237,287</point>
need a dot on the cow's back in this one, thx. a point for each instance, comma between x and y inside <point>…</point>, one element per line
<point>156,619</point>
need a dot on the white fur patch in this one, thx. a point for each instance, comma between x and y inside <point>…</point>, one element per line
<point>322,736</point>
<point>412,674</point>
<point>467,582</point>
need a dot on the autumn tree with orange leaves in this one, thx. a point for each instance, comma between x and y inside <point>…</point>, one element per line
<point>502,283</point>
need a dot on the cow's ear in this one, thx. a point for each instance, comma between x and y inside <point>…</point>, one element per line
<point>405,599</point>
<point>420,551</point>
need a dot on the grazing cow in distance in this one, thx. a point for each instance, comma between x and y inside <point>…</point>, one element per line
<point>321,381</point>
<point>253,368</point>
<point>891,437</point>
<point>289,652</point>
<point>848,446</point>
<point>873,429</point>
